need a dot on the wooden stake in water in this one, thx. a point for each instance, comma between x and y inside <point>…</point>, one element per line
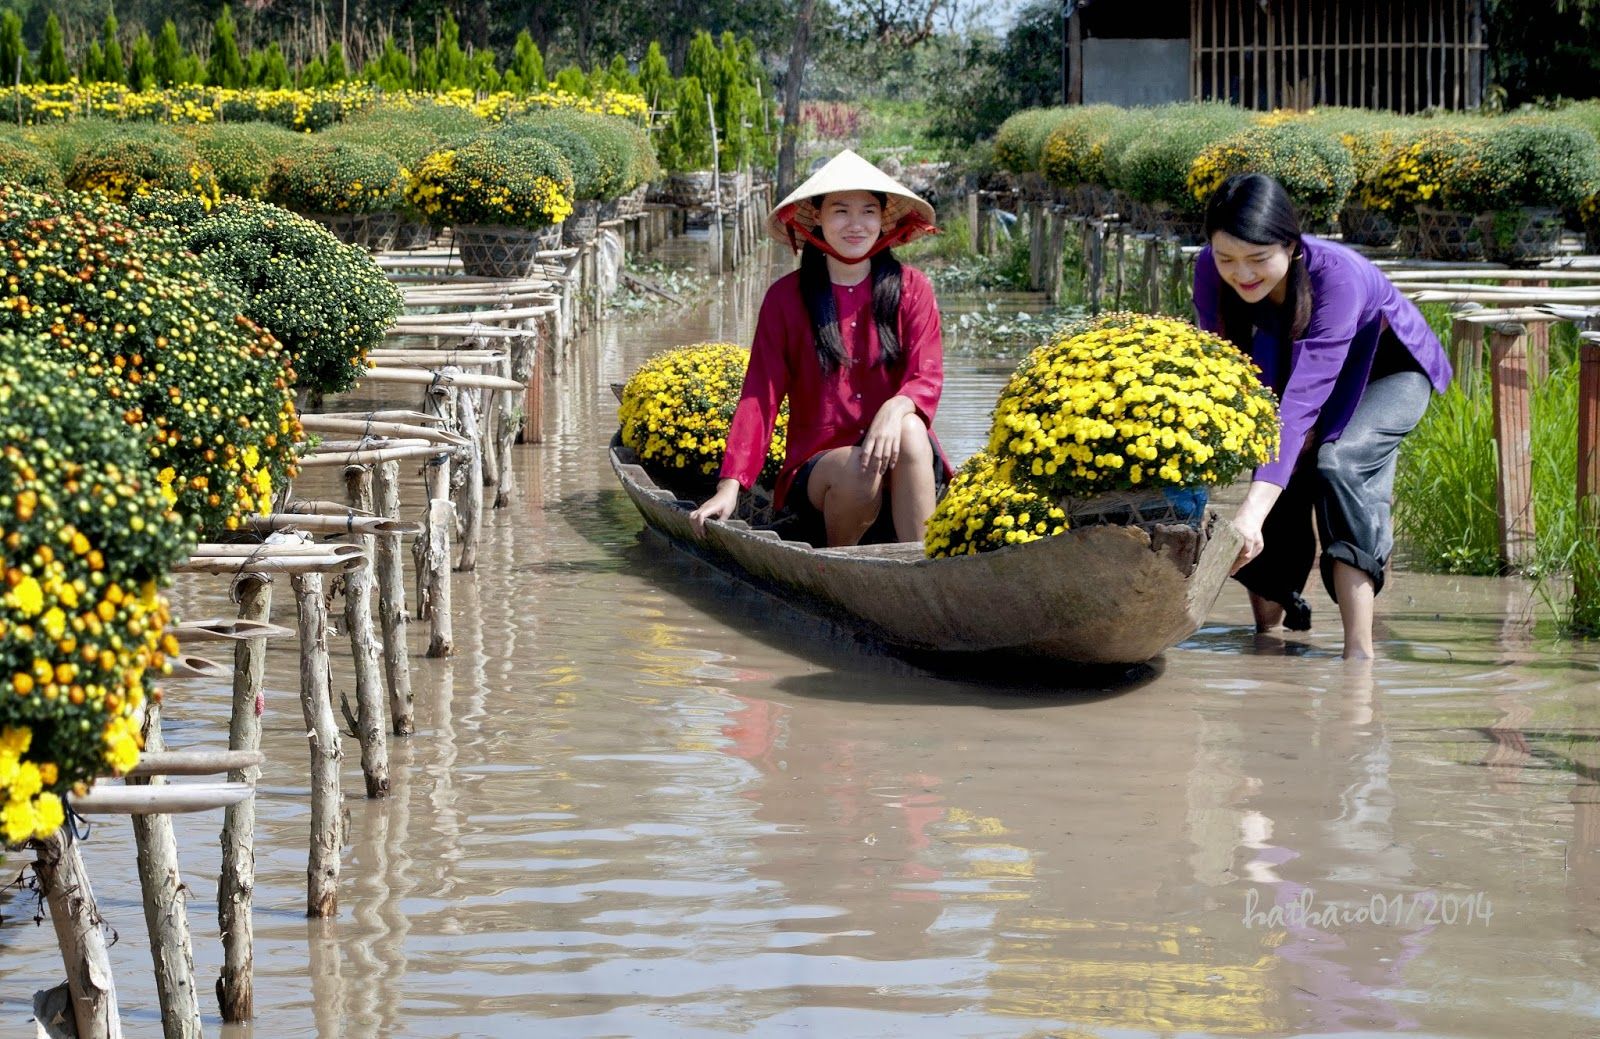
<point>166,914</point>
<point>236,886</point>
<point>1586,581</point>
<point>371,725</point>
<point>322,733</point>
<point>77,921</point>
<point>469,503</point>
<point>392,601</point>
<point>1508,352</point>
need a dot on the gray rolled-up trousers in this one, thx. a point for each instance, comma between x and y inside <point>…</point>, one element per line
<point>1343,500</point>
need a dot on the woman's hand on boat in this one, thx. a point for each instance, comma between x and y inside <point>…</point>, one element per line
<point>1252,515</point>
<point>880,448</point>
<point>717,507</point>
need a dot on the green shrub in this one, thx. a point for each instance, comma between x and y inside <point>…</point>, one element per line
<point>1313,166</point>
<point>1020,140</point>
<point>1420,171</point>
<point>1155,167</point>
<point>22,163</point>
<point>133,161</point>
<point>242,154</point>
<point>1127,130</point>
<point>325,302</point>
<point>1525,162</point>
<point>518,182</point>
<point>613,143</point>
<point>164,345</point>
<point>573,146</point>
<point>335,178</point>
<point>1074,151</point>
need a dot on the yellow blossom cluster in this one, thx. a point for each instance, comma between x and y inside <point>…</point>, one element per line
<point>1143,401</point>
<point>990,505</point>
<point>517,183</point>
<point>85,538</point>
<point>677,408</point>
<point>1418,171</point>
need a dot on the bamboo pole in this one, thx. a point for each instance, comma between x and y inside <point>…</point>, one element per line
<point>414,418</point>
<point>322,732</point>
<point>373,456</point>
<point>65,884</point>
<point>226,629</point>
<point>193,762</point>
<point>173,798</point>
<point>333,524</point>
<point>166,914</point>
<point>371,726</point>
<point>236,885</point>
<point>419,377</point>
<point>1508,351</point>
<point>392,603</point>
<point>401,430</point>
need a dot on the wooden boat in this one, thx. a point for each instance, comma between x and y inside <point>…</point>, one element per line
<point>1102,594</point>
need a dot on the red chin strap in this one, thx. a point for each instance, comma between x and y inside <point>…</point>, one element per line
<point>906,228</point>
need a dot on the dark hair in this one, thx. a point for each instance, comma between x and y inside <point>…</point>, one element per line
<point>1255,208</point>
<point>816,288</point>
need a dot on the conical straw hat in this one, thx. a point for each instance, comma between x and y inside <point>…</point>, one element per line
<point>848,171</point>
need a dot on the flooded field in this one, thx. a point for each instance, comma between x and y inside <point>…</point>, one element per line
<point>645,801</point>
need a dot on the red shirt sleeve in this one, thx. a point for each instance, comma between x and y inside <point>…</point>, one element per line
<point>922,343</point>
<point>766,382</point>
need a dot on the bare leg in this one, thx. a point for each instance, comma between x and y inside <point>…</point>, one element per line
<point>911,483</point>
<point>847,496</point>
<point>1268,613</point>
<point>1356,593</point>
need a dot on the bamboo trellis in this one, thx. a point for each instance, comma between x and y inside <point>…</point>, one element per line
<point>1402,55</point>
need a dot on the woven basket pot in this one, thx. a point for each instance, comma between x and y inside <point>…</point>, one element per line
<point>495,251</point>
<point>1445,234</point>
<point>379,234</point>
<point>1370,227</point>
<point>695,188</point>
<point>411,235</point>
<point>349,228</point>
<point>1525,235</point>
<point>581,226</point>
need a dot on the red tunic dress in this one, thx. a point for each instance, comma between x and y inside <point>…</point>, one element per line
<point>835,410</point>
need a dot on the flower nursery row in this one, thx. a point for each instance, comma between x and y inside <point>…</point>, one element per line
<point>1460,186</point>
<point>381,173</point>
<point>154,352</point>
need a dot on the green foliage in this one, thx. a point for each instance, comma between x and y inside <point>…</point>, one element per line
<point>686,139</point>
<point>53,67</point>
<point>572,80</point>
<point>91,65</point>
<point>565,138</point>
<point>325,302</point>
<point>242,154</point>
<point>655,78</point>
<point>224,67</point>
<point>1074,151</point>
<point>497,180</point>
<point>162,343</point>
<point>1526,162</point>
<point>174,65</point>
<point>1314,166</point>
<point>112,69</point>
<point>391,70</point>
<point>142,63</point>
<point>1155,168</point>
<point>135,159</point>
<point>268,69</point>
<point>990,79</point>
<point>15,61</point>
<point>330,177</point>
<point>1019,142</point>
<point>25,164</point>
<point>527,65</point>
<point>1445,485</point>
<point>333,65</point>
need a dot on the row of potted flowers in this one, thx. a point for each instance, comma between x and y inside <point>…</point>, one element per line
<point>383,178</point>
<point>1458,186</point>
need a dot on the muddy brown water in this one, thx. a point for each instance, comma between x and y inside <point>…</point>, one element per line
<point>644,801</point>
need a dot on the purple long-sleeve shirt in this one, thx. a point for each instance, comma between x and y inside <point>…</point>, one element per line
<point>1351,304</point>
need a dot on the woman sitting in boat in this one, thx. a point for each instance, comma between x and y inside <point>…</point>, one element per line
<point>1353,363</point>
<point>852,339</point>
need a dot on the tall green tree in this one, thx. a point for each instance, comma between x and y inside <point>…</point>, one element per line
<point>172,66</point>
<point>16,65</point>
<point>655,77</point>
<point>526,73</point>
<point>268,69</point>
<point>225,67</point>
<point>142,63</point>
<point>112,69</point>
<point>53,67</point>
<point>453,68</point>
<point>391,70</point>
<point>93,62</point>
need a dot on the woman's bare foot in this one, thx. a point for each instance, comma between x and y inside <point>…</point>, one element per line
<point>1268,614</point>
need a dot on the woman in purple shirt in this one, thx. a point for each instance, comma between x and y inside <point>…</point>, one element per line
<point>1353,364</point>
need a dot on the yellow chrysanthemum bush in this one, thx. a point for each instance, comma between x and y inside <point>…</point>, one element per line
<point>166,348</point>
<point>677,408</point>
<point>1128,402</point>
<point>1313,166</point>
<point>989,505</point>
<point>86,540</point>
<point>1420,170</point>
<point>494,179</point>
<point>136,160</point>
